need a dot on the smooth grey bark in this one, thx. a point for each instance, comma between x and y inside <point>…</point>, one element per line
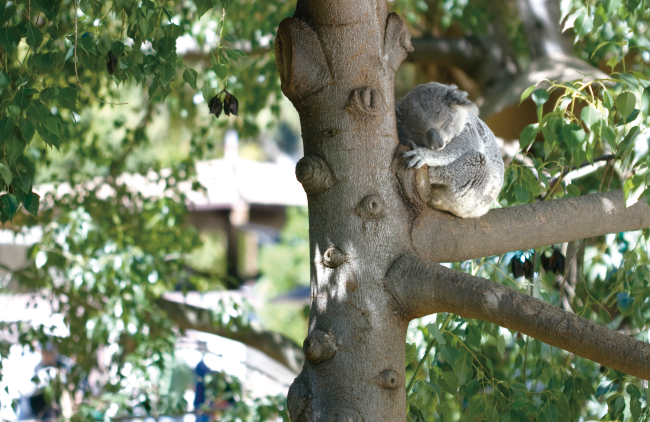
<point>275,345</point>
<point>442,237</point>
<point>337,61</point>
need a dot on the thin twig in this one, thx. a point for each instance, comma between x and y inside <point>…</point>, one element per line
<point>76,73</point>
<point>553,183</point>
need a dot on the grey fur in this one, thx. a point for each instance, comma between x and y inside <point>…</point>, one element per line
<point>441,126</point>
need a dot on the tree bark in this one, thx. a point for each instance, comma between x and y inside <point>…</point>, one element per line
<point>337,61</point>
<point>275,345</point>
<point>442,237</point>
<point>424,288</point>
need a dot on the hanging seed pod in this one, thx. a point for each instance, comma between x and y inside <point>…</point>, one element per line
<point>215,106</point>
<point>231,105</point>
<point>546,263</point>
<point>112,63</point>
<point>529,269</point>
<point>517,266</point>
<point>558,261</point>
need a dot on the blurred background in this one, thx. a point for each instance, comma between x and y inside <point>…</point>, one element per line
<point>154,256</point>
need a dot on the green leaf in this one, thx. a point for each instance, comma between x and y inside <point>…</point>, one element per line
<point>23,183</point>
<point>5,171</point>
<point>172,30</point>
<point>573,135</point>
<point>208,92</point>
<point>7,11</point>
<point>9,38</point>
<point>610,136</point>
<point>611,7</point>
<point>189,76</point>
<point>5,80</point>
<point>7,128</point>
<point>38,112</point>
<point>625,103</point>
<point>590,115</point>
<point>26,129</point>
<point>633,4</point>
<point>221,71</point>
<point>527,93</point>
<point>540,96</point>
<point>573,190</point>
<point>68,98</point>
<point>34,36</point>
<point>167,72</point>
<point>501,345</point>
<point>450,354</point>
<point>435,332</point>
<point>53,126</point>
<point>9,205</point>
<point>31,203</point>
<point>528,135</point>
<point>583,24</point>
<point>203,6</point>
<point>50,8</point>
<point>166,47</point>
<point>117,48</point>
<point>522,195</point>
<point>628,79</point>
<point>645,102</point>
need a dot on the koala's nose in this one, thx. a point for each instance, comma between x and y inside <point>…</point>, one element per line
<point>435,141</point>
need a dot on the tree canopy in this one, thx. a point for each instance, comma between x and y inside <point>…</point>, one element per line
<point>91,91</point>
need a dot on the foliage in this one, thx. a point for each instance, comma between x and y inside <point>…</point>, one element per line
<point>478,371</point>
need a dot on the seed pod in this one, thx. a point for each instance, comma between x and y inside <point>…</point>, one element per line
<point>215,106</point>
<point>529,269</point>
<point>517,267</point>
<point>546,263</point>
<point>231,105</point>
<point>558,261</point>
<point>112,63</point>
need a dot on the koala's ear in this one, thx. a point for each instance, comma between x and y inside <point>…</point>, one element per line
<point>458,100</point>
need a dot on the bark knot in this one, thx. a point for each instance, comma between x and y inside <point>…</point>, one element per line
<point>314,174</point>
<point>334,257</point>
<point>367,100</point>
<point>319,346</point>
<point>371,207</point>
<point>299,399</point>
<point>388,380</point>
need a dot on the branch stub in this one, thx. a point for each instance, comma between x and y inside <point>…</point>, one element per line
<point>371,207</point>
<point>319,346</point>
<point>333,257</point>
<point>314,174</point>
<point>388,380</point>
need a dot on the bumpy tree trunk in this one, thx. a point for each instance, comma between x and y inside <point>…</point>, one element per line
<point>337,61</point>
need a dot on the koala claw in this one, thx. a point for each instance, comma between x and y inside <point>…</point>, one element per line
<point>415,159</point>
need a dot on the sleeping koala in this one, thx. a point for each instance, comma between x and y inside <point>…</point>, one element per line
<point>442,127</point>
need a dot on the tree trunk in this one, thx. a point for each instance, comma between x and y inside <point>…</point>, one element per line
<point>337,61</point>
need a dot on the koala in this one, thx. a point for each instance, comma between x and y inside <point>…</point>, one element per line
<point>444,131</point>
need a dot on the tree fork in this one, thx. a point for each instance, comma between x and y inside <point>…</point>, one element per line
<point>337,61</point>
<point>423,288</point>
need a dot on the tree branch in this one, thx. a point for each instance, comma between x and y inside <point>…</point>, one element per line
<point>425,288</point>
<point>460,52</point>
<point>275,345</point>
<point>442,237</point>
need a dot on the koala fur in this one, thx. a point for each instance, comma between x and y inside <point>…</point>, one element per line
<point>442,127</point>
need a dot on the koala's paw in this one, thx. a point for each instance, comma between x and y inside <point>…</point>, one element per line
<point>416,157</point>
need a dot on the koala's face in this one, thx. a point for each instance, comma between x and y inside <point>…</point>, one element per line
<point>431,115</point>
